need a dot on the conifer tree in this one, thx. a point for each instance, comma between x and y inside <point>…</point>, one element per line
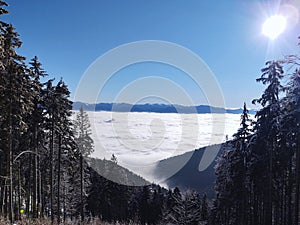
<point>3,153</point>
<point>144,206</point>
<point>84,141</point>
<point>272,159</point>
<point>186,210</point>
<point>290,125</point>
<point>62,155</point>
<point>64,135</point>
<point>204,208</point>
<point>16,104</point>
<point>114,159</point>
<point>82,133</point>
<point>35,127</point>
<point>245,126</point>
<point>37,120</point>
<point>267,123</point>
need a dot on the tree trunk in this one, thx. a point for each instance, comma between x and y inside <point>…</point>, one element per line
<point>58,178</point>
<point>289,194</point>
<point>34,195</point>
<point>3,188</point>
<point>19,192</point>
<point>51,172</point>
<point>40,197</point>
<point>297,182</point>
<point>28,194</point>
<point>10,165</point>
<point>64,202</point>
<point>81,188</point>
<point>269,210</point>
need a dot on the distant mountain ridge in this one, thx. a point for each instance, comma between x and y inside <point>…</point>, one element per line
<point>156,108</point>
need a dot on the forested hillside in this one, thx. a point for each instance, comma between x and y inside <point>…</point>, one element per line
<point>258,173</point>
<point>188,177</point>
<point>46,175</point>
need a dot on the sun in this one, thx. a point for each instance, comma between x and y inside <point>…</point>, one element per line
<point>274,26</point>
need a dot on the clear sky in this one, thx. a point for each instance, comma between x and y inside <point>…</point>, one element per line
<point>69,35</point>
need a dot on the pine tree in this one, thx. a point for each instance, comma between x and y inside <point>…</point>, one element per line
<point>186,210</point>
<point>64,135</point>
<point>114,159</point>
<point>63,156</point>
<point>35,129</point>
<point>3,25</point>
<point>245,130</point>
<point>3,157</point>
<point>204,208</point>
<point>271,76</point>
<point>84,141</point>
<point>266,159</point>
<point>144,206</point>
<point>267,122</point>
<point>82,133</point>
<point>239,165</point>
<point>16,103</point>
<point>290,125</point>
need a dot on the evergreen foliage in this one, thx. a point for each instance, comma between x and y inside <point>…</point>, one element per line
<point>45,172</point>
<point>258,172</point>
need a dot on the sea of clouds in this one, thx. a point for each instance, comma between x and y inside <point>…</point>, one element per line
<point>138,140</point>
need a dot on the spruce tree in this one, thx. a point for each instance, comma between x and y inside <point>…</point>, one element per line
<point>84,141</point>
<point>82,133</point>
<point>270,156</point>
<point>36,121</point>
<point>186,210</point>
<point>64,137</point>
<point>204,208</point>
<point>38,155</point>
<point>245,130</point>
<point>16,104</point>
<point>267,126</point>
<point>290,127</point>
<point>60,140</point>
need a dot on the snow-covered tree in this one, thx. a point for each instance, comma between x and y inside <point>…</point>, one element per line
<point>83,132</point>
<point>186,209</point>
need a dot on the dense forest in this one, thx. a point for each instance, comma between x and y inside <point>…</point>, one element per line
<point>258,173</point>
<point>46,173</point>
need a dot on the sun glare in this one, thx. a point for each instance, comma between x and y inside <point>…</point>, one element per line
<point>274,26</point>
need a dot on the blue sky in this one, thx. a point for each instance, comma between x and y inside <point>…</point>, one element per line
<point>68,36</point>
